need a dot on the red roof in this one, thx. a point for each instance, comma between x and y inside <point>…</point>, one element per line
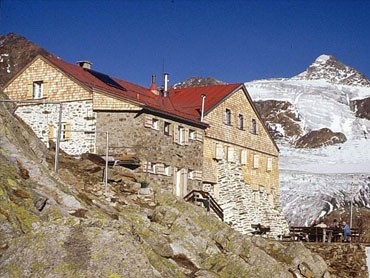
<point>184,103</point>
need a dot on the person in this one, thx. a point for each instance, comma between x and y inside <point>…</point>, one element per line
<point>334,225</point>
<point>346,231</point>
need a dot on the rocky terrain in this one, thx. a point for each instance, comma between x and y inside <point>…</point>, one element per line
<point>15,53</point>
<point>197,82</point>
<point>69,225</point>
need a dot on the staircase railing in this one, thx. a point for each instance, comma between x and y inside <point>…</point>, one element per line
<point>208,201</point>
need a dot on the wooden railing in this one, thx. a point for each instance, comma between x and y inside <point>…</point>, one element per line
<point>208,201</point>
<point>317,234</point>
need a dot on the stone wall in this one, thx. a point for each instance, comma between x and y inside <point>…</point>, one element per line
<point>133,133</point>
<point>343,259</point>
<point>244,206</point>
<point>77,115</point>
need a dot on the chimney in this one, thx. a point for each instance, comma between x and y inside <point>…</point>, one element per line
<point>165,81</point>
<point>153,87</point>
<point>84,64</point>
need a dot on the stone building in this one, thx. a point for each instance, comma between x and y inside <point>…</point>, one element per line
<point>209,138</point>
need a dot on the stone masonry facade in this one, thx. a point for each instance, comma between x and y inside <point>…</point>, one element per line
<point>165,158</point>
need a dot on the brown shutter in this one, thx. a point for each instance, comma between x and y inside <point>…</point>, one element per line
<point>29,94</point>
<point>148,121</point>
<point>45,90</point>
<point>67,131</point>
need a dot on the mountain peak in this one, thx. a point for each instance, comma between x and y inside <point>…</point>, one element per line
<point>328,68</point>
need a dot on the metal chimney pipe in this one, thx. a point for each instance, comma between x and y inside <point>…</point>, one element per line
<point>165,78</point>
<point>202,112</point>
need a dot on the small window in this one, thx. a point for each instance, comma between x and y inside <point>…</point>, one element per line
<point>227,117</point>
<point>241,121</point>
<point>190,174</point>
<point>38,87</point>
<point>191,134</point>
<point>155,124</point>
<point>166,128</point>
<point>254,126</point>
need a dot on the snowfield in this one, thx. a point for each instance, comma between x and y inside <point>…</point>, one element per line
<point>315,181</point>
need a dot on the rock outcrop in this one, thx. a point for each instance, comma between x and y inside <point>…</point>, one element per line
<point>319,138</point>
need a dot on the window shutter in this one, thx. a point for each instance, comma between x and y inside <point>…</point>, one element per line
<point>185,179</point>
<point>148,121</point>
<point>256,161</point>
<point>269,164</point>
<point>51,132</point>
<point>168,171</point>
<point>29,91</point>
<point>257,128</point>
<point>230,154</point>
<point>68,129</point>
<point>160,169</point>
<point>146,166</point>
<point>198,136</point>
<point>45,89</point>
<point>186,136</point>
<point>219,153</point>
<point>175,134</point>
<point>243,157</point>
<point>198,175</point>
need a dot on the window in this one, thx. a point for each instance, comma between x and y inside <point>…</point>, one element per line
<point>190,174</point>
<point>227,117</point>
<point>241,121</point>
<point>269,164</point>
<point>38,87</point>
<point>191,134</point>
<point>65,133</point>
<point>155,124</point>
<point>166,128</point>
<point>254,126</point>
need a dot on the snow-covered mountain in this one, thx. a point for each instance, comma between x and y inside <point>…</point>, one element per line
<point>314,181</point>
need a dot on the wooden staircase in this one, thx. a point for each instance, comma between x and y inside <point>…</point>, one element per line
<point>208,201</point>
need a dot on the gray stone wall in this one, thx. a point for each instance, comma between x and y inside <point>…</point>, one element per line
<point>129,133</point>
<point>77,114</point>
<point>243,206</point>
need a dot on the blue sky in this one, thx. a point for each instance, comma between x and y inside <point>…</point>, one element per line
<point>232,41</point>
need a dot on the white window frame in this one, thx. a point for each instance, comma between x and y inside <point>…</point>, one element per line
<point>155,124</point>
<point>191,134</point>
<point>241,121</point>
<point>166,128</point>
<point>227,117</point>
<point>37,89</point>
